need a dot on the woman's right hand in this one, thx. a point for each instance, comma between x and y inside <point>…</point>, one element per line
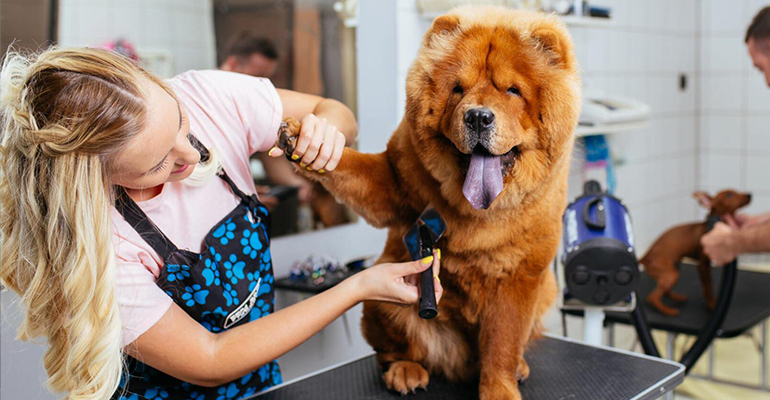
<point>398,282</point>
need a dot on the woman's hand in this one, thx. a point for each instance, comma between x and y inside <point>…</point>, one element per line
<point>398,282</point>
<point>319,146</point>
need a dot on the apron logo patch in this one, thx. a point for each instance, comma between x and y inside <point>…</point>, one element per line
<point>244,308</point>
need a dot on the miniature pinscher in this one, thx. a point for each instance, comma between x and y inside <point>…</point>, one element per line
<point>662,259</point>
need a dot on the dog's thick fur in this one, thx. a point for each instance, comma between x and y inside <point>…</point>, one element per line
<point>495,262</point>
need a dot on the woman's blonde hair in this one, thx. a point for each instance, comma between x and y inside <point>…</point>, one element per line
<point>65,113</point>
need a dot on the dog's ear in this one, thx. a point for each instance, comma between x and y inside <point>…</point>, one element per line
<point>555,45</point>
<point>442,26</point>
<point>703,199</point>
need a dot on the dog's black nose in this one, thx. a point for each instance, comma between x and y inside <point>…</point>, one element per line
<point>479,119</point>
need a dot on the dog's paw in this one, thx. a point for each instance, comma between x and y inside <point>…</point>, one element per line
<point>405,377</point>
<point>677,297</point>
<point>522,371</point>
<point>668,311</point>
<point>288,133</point>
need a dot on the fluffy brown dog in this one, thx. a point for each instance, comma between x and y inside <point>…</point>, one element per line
<point>492,102</point>
<point>662,259</point>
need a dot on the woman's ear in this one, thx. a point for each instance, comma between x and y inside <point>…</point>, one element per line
<point>704,199</point>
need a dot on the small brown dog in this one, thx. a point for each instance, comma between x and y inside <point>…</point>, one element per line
<point>662,259</point>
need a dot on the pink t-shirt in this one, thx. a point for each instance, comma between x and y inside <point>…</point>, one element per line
<point>238,115</point>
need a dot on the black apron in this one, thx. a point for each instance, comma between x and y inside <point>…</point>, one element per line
<point>229,284</point>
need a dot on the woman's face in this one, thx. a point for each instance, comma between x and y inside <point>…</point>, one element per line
<point>161,152</point>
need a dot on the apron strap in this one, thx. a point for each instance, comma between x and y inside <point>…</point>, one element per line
<point>243,196</point>
<point>222,174</point>
<point>142,225</point>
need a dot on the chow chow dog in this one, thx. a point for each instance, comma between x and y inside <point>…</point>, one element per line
<point>492,102</point>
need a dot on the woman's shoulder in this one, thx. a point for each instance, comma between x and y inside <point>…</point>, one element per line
<point>233,110</point>
<point>220,81</point>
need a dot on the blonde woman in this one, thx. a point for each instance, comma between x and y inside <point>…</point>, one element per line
<point>132,232</point>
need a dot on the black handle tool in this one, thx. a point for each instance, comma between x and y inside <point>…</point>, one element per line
<point>420,241</point>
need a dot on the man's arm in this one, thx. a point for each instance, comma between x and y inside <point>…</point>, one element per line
<point>747,221</point>
<point>755,239</point>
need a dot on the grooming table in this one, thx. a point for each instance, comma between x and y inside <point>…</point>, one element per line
<point>750,307</point>
<point>561,369</point>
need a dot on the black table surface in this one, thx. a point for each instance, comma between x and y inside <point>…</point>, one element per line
<point>750,304</point>
<point>561,369</point>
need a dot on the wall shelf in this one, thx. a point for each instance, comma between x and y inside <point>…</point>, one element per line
<point>607,129</point>
<point>591,22</point>
<point>570,20</point>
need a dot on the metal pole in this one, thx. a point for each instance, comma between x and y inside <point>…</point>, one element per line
<point>764,355</point>
<point>711,360</point>
<point>670,338</point>
<point>669,345</point>
<point>611,335</point>
<point>592,325</point>
<point>564,324</point>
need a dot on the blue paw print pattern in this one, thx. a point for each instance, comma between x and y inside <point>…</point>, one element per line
<point>261,309</point>
<point>234,269</point>
<point>276,373</point>
<point>194,294</point>
<point>231,295</point>
<point>265,284</point>
<point>251,242</point>
<point>211,272</point>
<point>177,272</point>
<point>265,261</point>
<point>225,232</point>
<point>156,394</point>
<point>227,392</point>
<point>210,319</point>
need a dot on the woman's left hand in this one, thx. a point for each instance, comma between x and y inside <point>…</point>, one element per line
<point>319,146</point>
<point>397,282</point>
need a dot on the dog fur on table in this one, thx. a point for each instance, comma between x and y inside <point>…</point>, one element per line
<point>448,152</point>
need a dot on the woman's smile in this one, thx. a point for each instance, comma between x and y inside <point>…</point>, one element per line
<point>180,170</point>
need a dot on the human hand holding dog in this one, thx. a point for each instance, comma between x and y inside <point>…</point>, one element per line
<point>721,244</point>
<point>397,282</point>
<point>318,147</point>
<point>744,221</point>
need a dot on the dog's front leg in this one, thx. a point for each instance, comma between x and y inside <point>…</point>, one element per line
<point>364,182</point>
<point>504,333</point>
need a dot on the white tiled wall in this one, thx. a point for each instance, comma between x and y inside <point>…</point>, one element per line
<point>735,104</point>
<point>641,56</point>
<point>183,28</point>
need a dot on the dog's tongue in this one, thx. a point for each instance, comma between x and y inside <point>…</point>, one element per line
<point>484,180</point>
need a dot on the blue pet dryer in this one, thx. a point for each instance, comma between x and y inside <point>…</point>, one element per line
<point>599,261</point>
<point>601,270</point>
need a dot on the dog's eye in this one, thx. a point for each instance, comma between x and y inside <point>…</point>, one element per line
<point>729,195</point>
<point>457,89</point>
<point>514,91</point>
